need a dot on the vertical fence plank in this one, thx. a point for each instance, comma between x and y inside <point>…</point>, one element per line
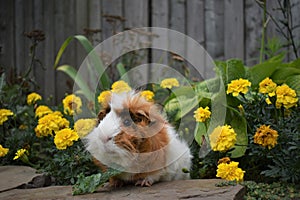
<point>19,36</point>
<point>136,15</point>
<point>177,23</point>
<point>159,18</point>
<point>253,27</point>
<point>234,29</point>
<point>28,27</point>
<point>39,70</point>
<point>81,24</point>
<point>7,45</point>
<point>111,10</point>
<point>50,51</point>
<point>214,28</point>
<point>95,21</point>
<point>59,26</point>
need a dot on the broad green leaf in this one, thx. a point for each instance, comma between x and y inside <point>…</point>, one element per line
<point>200,133</point>
<point>234,70</point>
<point>294,83</point>
<point>260,71</point>
<point>282,74</point>
<point>182,105</point>
<point>69,70</point>
<point>239,125</point>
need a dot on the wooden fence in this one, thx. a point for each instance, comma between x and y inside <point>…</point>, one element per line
<point>226,28</point>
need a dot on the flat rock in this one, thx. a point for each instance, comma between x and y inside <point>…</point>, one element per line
<point>14,176</point>
<point>183,189</point>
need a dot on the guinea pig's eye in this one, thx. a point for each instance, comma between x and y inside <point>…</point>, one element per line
<point>127,122</point>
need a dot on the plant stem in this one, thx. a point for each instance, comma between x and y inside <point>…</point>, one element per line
<point>262,45</point>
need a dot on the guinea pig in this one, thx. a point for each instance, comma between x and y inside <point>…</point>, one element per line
<point>134,135</point>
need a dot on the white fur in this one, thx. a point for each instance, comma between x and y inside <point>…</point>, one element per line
<point>107,152</point>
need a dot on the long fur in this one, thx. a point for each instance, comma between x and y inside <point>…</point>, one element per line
<point>133,134</point>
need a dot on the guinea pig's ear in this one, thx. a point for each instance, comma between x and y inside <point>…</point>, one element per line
<point>102,113</point>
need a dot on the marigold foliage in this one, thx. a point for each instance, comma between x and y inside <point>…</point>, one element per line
<point>222,138</point>
<point>33,97</point>
<point>42,110</point>
<point>3,151</point>
<point>202,114</point>
<point>147,94</point>
<point>169,83</point>
<point>266,137</point>
<point>267,86</point>
<point>230,171</point>
<point>285,96</point>
<point>120,86</point>
<point>4,113</point>
<point>104,97</point>
<point>65,138</point>
<point>72,104</point>
<point>84,126</point>
<point>20,153</point>
<point>51,123</point>
<point>238,86</point>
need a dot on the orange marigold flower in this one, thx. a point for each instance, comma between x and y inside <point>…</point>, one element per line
<point>266,137</point>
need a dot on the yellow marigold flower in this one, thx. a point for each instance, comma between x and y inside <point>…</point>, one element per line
<point>147,94</point>
<point>42,110</point>
<point>120,86</point>
<point>285,96</point>
<point>20,153</point>
<point>84,126</point>
<point>104,97</point>
<point>266,137</point>
<point>230,171</point>
<point>65,138</point>
<point>267,86</point>
<point>33,97</point>
<point>3,151</point>
<point>169,83</point>
<point>202,114</point>
<point>222,138</point>
<point>50,123</point>
<point>72,104</point>
<point>238,86</point>
<point>4,113</point>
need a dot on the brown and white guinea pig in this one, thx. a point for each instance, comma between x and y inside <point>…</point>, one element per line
<point>134,135</point>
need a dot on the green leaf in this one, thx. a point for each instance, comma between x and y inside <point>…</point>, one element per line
<point>91,183</point>
<point>234,70</point>
<point>200,133</point>
<point>69,70</point>
<point>122,72</point>
<point>95,59</point>
<point>239,125</point>
<point>260,71</point>
<point>182,105</point>
<point>294,83</point>
<point>282,74</point>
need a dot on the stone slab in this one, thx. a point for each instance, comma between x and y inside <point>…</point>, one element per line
<point>183,189</point>
<point>14,176</point>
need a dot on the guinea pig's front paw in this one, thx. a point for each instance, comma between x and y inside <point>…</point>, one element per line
<point>146,182</point>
